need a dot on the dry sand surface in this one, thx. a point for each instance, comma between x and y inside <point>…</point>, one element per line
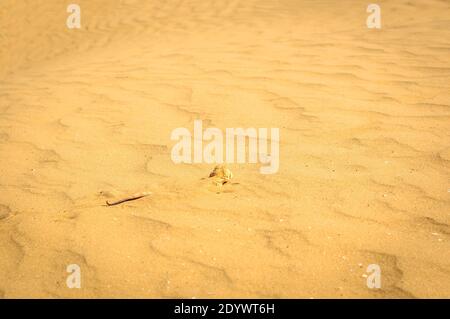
<point>86,116</point>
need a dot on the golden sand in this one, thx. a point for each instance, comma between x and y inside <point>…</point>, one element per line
<point>86,116</point>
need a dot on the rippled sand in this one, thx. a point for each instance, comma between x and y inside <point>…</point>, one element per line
<point>86,115</point>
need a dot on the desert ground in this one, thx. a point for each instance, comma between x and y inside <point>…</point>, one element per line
<point>86,116</point>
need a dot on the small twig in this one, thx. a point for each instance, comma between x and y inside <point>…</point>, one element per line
<point>128,198</point>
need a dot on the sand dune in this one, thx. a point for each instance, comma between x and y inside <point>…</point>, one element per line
<point>86,115</point>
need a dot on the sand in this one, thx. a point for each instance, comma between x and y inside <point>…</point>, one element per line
<point>86,116</point>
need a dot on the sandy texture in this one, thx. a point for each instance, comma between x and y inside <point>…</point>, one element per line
<point>86,115</point>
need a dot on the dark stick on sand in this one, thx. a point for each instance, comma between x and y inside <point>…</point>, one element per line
<point>126,199</point>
